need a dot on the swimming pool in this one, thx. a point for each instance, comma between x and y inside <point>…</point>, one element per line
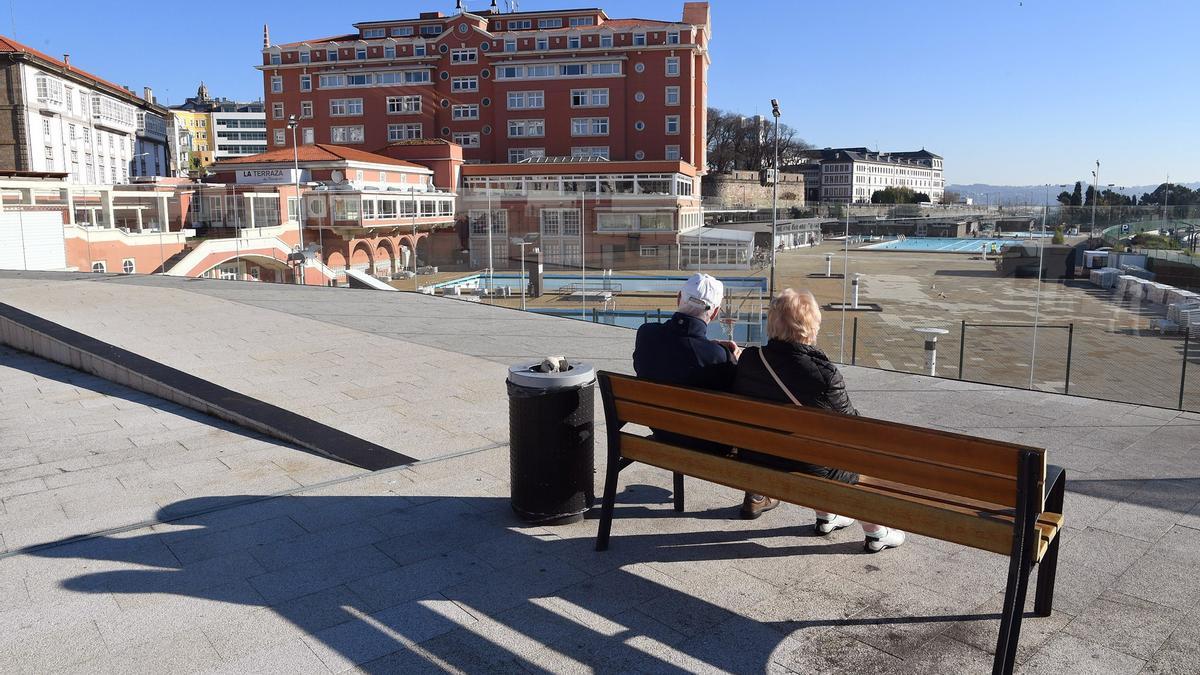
<point>625,283</point>
<point>749,327</point>
<point>941,245</point>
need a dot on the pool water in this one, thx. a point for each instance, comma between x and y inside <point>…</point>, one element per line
<point>748,329</point>
<point>941,245</point>
<point>622,283</point>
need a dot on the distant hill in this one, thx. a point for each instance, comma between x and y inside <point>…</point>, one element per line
<point>1036,194</point>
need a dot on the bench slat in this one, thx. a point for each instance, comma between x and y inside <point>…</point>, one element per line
<point>949,479</point>
<point>966,526</point>
<point>949,448</point>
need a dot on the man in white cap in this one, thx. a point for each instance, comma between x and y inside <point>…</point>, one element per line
<point>679,351</point>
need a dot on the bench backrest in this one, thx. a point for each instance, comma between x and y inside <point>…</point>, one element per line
<point>928,460</point>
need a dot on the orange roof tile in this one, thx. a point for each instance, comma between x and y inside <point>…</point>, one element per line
<point>630,23</point>
<point>320,152</point>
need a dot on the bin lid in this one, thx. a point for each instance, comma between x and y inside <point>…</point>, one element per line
<point>577,374</point>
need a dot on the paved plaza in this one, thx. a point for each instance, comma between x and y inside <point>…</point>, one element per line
<point>219,550</point>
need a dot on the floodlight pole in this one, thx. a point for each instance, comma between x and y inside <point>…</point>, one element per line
<point>774,194</point>
<point>1095,196</point>
<point>293,122</point>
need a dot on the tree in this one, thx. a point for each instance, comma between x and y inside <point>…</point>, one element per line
<point>1087,200</point>
<point>1077,195</point>
<point>898,195</point>
<point>736,142</point>
<point>1058,236</point>
<point>1065,198</point>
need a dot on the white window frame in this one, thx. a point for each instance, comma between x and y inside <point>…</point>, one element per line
<point>589,98</point>
<point>404,105</point>
<point>279,137</point>
<point>517,154</point>
<point>510,45</point>
<point>671,96</point>
<point>586,151</point>
<point>668,122</point>
<point>464,83</point>
<point>306,110</point>
<point>352,133</point>
<point>374,33</point>
<point>407,131</point>
<point>672,66</point>
<point>541,44</point>
<point>277,111</point>
<point>345,107</point>
<point>467,139</point>
<point>529,128</point>
<point>606,40</point>
<point>464,111</point>
<point>464,55</point>
<point>673,37</point>
<point>639,40</point>
<point>276,84</point>
<point>671,152</point>
<point>305,82</point>
<point>129,263</point>
<point>589,126</point>
<point>527,99</point>
<point>99,267</point>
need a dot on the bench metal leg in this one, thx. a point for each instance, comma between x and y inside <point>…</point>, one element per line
<point>1043,597</point>
<point>678,491</point>
<point>1025,538</point>
<point>606,508</point>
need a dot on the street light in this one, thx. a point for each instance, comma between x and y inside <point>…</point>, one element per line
<point>523,242</point>
<point>1095,195</point>
<point>292,123</point>
<point>774,193</point>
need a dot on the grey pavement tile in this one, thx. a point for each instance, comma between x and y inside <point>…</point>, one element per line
<point>1125,623</point>
<point>294,657</point>
<point>1107,551</point>
<point>1180,653</point>
<point>981,627</point>
<point>142,618</point>
<point>313,575</point>
<point>42,648</point>
<point>902,621</point>
<point>281,553</point>
<point>832,652</point>
<point>246,537</point>
<point>536,577</point>
<point>945,655</point>
<point>183,652</point>
<point>1066,653</point>
<point>419,579</point>
<point>459,651</point>
<point>371,636</point>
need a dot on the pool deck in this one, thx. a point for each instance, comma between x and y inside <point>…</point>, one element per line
<point>241,554</point>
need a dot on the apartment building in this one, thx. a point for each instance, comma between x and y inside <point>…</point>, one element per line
<point>505,86</point>
<point>56,118</point>
<point>852,175</point>
<point>219,128</point>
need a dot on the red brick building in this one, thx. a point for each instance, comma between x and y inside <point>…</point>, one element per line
<point>504,86</point>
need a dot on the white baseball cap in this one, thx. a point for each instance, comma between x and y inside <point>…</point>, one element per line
<point>701,293</point>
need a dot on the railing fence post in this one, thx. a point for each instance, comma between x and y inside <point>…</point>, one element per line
<point>1070,344</point>
<point>962,347</point>
<point>854,344</point>
<point>1187,339</point>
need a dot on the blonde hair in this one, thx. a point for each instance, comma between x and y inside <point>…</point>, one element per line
<point>794,316</point>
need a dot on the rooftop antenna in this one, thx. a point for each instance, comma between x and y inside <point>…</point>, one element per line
<point>458,5</point>
<point>494,8</point>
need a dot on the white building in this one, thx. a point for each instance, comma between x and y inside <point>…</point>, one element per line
<point>57,118</point>
<point>238,134</point>
<point>854,174</point>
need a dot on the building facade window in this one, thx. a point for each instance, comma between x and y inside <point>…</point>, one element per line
<point>671,96</point>
<point>275,59</point>
<point>276,84</point>
<point>306,109</point>
<point>309,136</point>
<point>464,56</point>
<point>128,266</point>
<point>403,105</point>
<point>589,126</point>
<point>520,154</point>
<point>672,66</point>
<point>465,83</point>
<point>526,128</point>
<point>306,83</point>
<point>345,107</point>
<point>305,57</point>
<point>346,134</point>
<point>671,152</point>
<point>389,52</point>
<point>639,39</point>
<point>672,124</point>
<point>574,42</point>
<point>589,152</point>
<point>277,111</point>
<point>331,55</point>
<point>510,45</point>
<point>542,44</point>
<point>465,111</point>
<point>419,49</point>
<point>372,33</point>
<point>526,100</point>
<point>606,40</point>
<point>550,23</point>
<point>404,132</point>
<point>279,136</point>
<point>577,21</point>
<point>402,31</point>
<point>99,267</point>
<point>589,98</point>
<point>360,53</point>
<point>467,139</point>
<point>673,37</point>
<point>520,24</point>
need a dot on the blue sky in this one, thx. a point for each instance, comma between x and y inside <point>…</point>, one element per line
<point>1010,92</point>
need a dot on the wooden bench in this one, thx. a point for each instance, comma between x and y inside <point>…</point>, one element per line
<point>989,495</point>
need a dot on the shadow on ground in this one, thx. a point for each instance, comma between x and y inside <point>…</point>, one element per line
<point>399,583</point>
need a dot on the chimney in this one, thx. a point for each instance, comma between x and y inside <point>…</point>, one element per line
<point>148,94</point>
<point>266,37</point>
<point>67,59</point>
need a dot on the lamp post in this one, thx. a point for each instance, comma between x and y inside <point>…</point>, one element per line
<point>520,241</point>
<point>774,193</point>
<point>292,123</point>
<point>1095,197</point>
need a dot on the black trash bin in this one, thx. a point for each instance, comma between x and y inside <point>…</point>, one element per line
<point>551,444</point>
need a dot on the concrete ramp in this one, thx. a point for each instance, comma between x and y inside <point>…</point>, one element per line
<point>359,279</point>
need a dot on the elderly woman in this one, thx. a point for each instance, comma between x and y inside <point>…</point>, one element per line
<point>790,369</point>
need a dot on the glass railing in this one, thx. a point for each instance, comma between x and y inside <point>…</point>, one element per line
<point>1114,313</point>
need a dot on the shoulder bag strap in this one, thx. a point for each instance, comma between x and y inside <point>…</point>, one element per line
<point>762,357</point>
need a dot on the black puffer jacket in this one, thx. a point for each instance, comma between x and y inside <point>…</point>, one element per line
<point>812,378</point>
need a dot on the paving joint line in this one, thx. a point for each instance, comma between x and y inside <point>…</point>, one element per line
<point>121,529</point>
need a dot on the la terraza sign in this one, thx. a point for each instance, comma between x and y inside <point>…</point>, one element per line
<point>269,176</point>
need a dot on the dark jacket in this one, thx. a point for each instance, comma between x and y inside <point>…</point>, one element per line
<point>679,352</point>
<point>811,377</point>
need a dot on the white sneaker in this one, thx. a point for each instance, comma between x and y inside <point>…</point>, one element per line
<point>889,538</point>
<point>834,523</point>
